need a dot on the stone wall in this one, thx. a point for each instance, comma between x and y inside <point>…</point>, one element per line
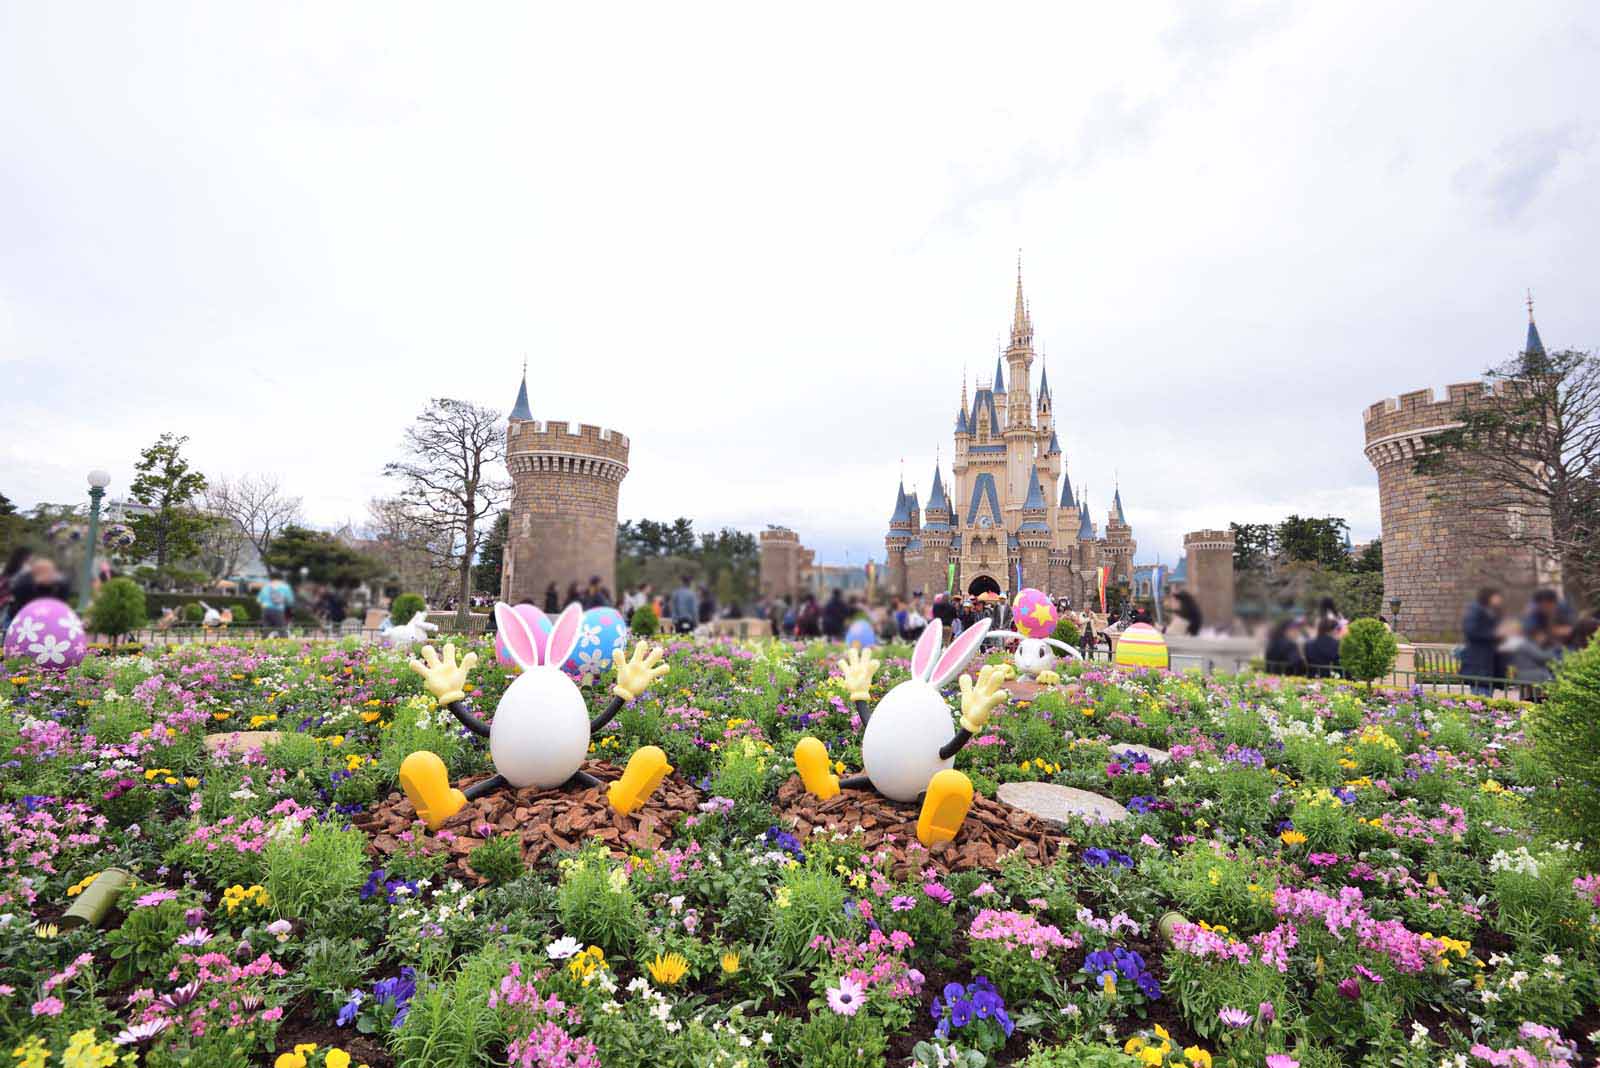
<point>780,562</point>
<point>1438,548</point>
<point>563,525</point>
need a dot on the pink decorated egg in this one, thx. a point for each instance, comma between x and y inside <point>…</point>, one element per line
<point>537,622</point>
<point>48,633</point>
<point>1033,614</point>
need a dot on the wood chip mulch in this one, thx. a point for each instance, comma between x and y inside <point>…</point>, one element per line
<point>547,820</point>
<point>991,830</point>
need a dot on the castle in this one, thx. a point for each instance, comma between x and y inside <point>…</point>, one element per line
<point>1438,546</point>
<point>563,507</point>
<point>999,522</point>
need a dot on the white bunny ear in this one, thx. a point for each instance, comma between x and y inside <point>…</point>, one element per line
<point>927,650</point>
<point>962,650</point>
<point>1063,646</point>
<point>516,637</point>
<point>1001,634</point>
<point>564,635</point>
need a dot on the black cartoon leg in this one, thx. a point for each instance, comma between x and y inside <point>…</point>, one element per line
<point>855,782</point>
<point>953,746</point>
<point>463,712</point>
<point>864,710</point>
<point>489,785</point>
<point>581,780</point>
<point>607,716</point>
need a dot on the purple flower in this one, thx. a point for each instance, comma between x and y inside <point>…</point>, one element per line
<point>846,998</point>
<point>1350,988</point>
<point>902,903</point>
<point>1234,1017</point>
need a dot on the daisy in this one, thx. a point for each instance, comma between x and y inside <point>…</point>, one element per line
<point>562,948</point>
<point>845,999</point>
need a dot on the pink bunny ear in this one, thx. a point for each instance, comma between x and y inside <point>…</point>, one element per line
<point>516,637</point>
<point>564,636</point>
<point>962,650</point>
<point>927,650</point>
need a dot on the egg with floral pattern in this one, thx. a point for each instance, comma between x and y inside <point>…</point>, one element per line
<point>603,632</point>
<point>49,634</point>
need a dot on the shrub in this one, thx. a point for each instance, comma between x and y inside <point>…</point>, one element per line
<point>193,613</point>
<point>118,609</point>
<point>597,903</point>
<point>1566,737</point>
<point>329,865</point>
<point>645,623</point>
<point>405,606</point>
<point>499,859</point>
<point>1367,651</point>
<point>1067,631</point>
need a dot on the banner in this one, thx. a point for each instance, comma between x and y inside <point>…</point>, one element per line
<point>950,581</point>
<point>1018,587</point>
<point>1100,576</point>
<point>1158,575</point>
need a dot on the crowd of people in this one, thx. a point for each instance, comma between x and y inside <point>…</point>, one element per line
<point>27,577</point>
<point>1528,649</point>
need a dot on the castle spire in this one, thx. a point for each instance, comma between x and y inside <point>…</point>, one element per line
<point>1534,345</point>
<point>520,409</point>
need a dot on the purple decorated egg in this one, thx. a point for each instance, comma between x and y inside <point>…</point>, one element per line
<point>48,633</point>
<point>1034,614</point>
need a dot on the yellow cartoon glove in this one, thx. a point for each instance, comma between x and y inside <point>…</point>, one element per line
<point>445,679</point>
<point>979,702</point>
<point>859,667</point>
<point>635,676</point>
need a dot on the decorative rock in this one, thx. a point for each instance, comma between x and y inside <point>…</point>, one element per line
<point>240,741</point>
<point>1062,806</point>
<point>1146,752</point>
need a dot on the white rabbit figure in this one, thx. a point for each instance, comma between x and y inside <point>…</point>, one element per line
<point>408,634</point>
<point>212,618</point>
<point>1033,656</point>
<point>541,728</point>
<point>909,743</point>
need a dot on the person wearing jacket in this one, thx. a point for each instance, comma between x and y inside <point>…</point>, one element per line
<point>1322,652</point>
<point>1480,629</point>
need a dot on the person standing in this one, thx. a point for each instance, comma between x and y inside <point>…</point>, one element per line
<point>276,599</point>
<point>1283,655</point>
<point>834,614</point>
<point>1480,650</point>
<point>685,607</point>
<point>1322,652</point>
<point>14,564</point>
<point>552,600</point>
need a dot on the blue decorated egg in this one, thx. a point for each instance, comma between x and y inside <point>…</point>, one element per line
<point>861,634</point>
<point>603,632</point>
<point>48,633</point>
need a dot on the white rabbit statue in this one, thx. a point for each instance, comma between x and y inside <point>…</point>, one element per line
<point>908,743</point>
<point>408,634</point>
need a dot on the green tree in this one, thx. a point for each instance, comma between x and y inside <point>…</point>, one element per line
<point>1371,558</point>
<point>319,557</point>
<point>1367,651</point>
<point>1566,737</point>
<point>1316,541</point>
<point>1253,545</point>
<point>167,485</point>
<point>492,555</point>
<point>118,609</point>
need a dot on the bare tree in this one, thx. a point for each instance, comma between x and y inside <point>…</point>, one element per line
<point>222,542</point>
<point>455,451</point>
<point>417,558</point>
<point>256,504</point>
<point>1530,449</point>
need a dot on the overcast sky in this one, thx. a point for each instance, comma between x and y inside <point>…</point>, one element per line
<point>764,242</point>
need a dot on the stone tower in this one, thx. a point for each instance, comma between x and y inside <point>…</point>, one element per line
<point>1438,549</point>
<point>1034,536</point>
<point>563,525</point>
<point>1119,545</point>
<point>896,580</point>
<point>1208,560</point>
<point>938,528</point>
<point>782,561</point>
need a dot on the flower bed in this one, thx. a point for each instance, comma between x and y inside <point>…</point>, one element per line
<point>1319,875</point>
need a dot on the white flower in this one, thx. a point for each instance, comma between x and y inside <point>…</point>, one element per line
<point>73,626</point>
<point>51,650</point>
<point>591,663</point>
<point>589,634</point>
<point>562,948</point>
<point>28,629</point>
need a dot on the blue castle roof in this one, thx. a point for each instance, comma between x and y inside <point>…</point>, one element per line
<point>1035,502</point>
<point>983,492</point>
<point>520,409</point>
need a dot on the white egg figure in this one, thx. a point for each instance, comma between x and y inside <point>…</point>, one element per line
<point>540,732</point>
<point>900,746</point>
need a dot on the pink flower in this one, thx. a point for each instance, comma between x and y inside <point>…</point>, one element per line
<point>844,999</point>
<point>50,1006</point>
<point>155,897</point>
<point>938,893</point>
<point>983,890</point>
<point>1234,1017</point>
<point>1281,1060</point>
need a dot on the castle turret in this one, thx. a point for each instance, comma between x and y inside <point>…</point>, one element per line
<point>938,531</point>
<point>1119,544</point>
<point>898,538</point>
<point>520,411</point>
<point>1033,534</point>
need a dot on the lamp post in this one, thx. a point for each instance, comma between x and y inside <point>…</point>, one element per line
<point>1394,614</point>
<point>98,481</point>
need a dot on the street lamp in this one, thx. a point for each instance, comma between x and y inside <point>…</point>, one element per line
<point>1394,614</point>
<point>98,481</point>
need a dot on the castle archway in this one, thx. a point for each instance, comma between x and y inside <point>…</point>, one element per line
<point>983,584</point>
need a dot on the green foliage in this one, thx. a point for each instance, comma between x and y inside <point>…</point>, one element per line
<point>450,1023</point>
<point>1566,738</point>
<point>1079,1054</point>
<point>808,902</point>
<point>405,606</point>
<point>321,557</point>
<point>165,483</point>
<point>491,556</point>
<point>193,613</point>
<point>419,725</point>
<point>144,941</point>
<point>828,1040</point>
<point>118,609</point>
<point>331,969</point>
<point>645,623</point>
<point>597,903</point>
<point>329,865</point>
<point>499,859</point>
<point>1368,650</point>
<point>1067,631</point>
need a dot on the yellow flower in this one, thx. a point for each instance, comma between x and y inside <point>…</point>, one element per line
<point>46,930</point>
<point>1108,983</point>
<point>32,1053</point>
<point>668,968</point>
<point>1151,1056</point>
<point>290,1060</point>
<point>1292,838</point>
<point>1133,1045</point>
<point>730,963</point>
<point>1161,1032</point>
<point>337,1058</point>
<point>190,781</point>
<point>1197,1056</point>
<point>305,1048</point>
